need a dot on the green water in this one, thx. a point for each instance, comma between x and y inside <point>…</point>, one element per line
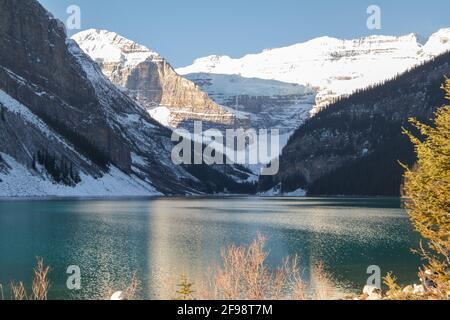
<point>161,239</point>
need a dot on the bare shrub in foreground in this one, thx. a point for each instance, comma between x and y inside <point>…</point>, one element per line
<point>128,293</point>
<point>39,287</point>
<point>244,275</point>
<point>41,284</point>
<point>18,291</point>
<point>131,290</point>
<point>323,285</point>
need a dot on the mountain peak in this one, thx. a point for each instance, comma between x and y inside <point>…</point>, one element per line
<point>213,59</point>
<point>324,40</point>
<point>443,31</point>
<point>208,63</point>
<point>438,42</point>
<point>150,80</point>
<point>109,47</point>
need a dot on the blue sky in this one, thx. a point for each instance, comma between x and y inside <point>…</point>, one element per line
<point>182,30</point>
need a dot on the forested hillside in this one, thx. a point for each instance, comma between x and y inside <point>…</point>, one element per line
<point>354,146</point>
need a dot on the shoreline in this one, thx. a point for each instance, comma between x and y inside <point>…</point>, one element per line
<point>188,197</point>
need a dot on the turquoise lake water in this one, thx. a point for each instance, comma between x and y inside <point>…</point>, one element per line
<point>160,239</point>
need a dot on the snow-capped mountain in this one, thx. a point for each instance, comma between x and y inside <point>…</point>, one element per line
<point>355,146</point>
<point>176,101</point>
<point>66,130</point>
<point>150,80</point>
<point>332,66</point>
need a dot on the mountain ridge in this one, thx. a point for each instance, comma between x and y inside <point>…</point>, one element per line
<point>335,67</point>
<point>443,32</point>
<point>150,80</point>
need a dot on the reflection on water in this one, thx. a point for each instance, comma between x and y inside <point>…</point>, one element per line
<point>161,239</point>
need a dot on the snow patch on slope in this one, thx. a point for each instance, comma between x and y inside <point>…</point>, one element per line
<point>16,107</point>
<point>276,192</point>
<point>19,181</point>
<point>16,180</point>
<point>162,115</point>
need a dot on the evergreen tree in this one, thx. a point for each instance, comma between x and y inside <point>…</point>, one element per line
<point>185,292</point>
<point>427,190</point>
<point>2,112</point>
<point>61,170</point>
<point>33,165</point>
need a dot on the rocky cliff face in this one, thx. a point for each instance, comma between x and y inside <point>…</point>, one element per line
<point>67,130</point>
<point>150,80</point>
<point>354,146</point>
<point>38,70</point>
<point>333,67</point>
<point>268,104</point>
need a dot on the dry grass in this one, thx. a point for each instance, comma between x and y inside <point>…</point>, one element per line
<point>41,284</point>
<point>39,287</point>
<point>322,283</point>
<point>244,275</point>
<point>130,292</point>
<point>18,291</point>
